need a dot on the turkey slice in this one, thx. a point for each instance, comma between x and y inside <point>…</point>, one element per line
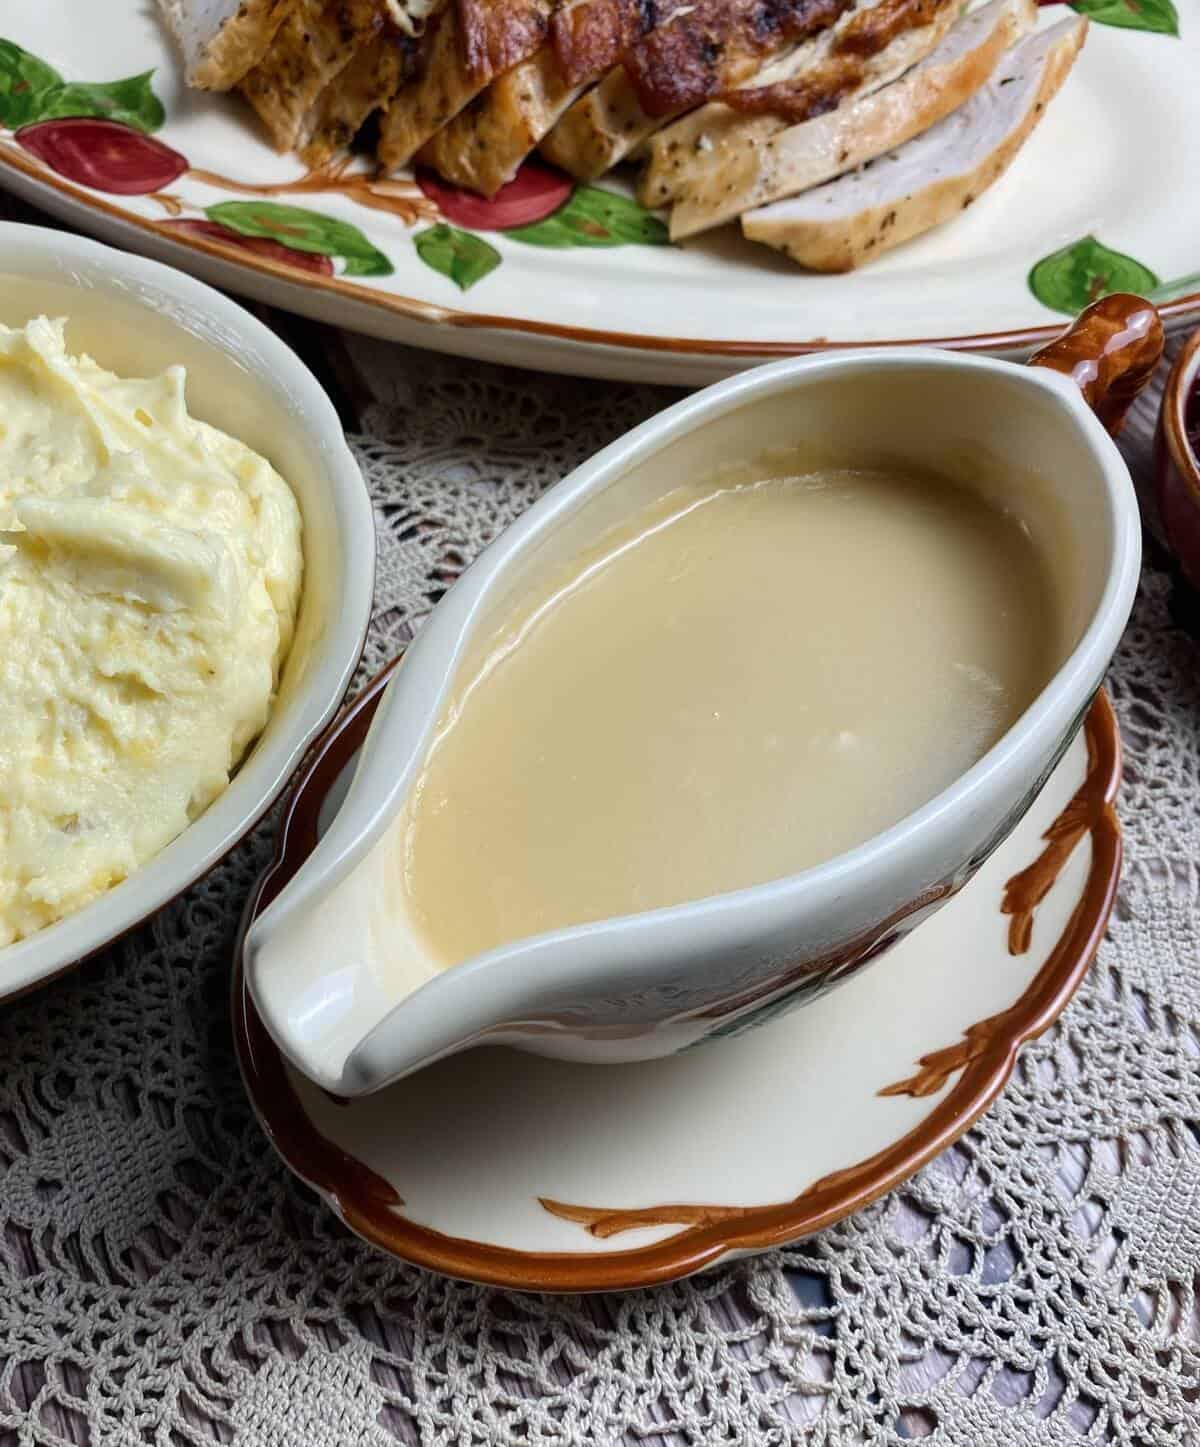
<point>600,129</point>
<point>867,48</point>
<point>316,42</point>
<point>222,39</point>
<point>487,141</point>
<point>817,150</point>
<point>366,85</point>
<point>698,51</point>
<point>838,226</point>
<point>467,46</point>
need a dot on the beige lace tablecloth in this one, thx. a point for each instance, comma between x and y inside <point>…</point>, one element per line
<point>163,1280</point>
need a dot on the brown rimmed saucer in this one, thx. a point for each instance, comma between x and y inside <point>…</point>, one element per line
<point>512,1170</point>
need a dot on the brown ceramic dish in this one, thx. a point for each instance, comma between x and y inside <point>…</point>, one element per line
<point>1178,459</point>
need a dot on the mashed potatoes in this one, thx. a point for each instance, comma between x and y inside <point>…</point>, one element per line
<point>150,571</point>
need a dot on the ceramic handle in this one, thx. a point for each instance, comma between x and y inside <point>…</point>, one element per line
<point>1110,351</point>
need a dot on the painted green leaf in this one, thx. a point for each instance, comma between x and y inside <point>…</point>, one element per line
<point>303,230</point>
<point>595,217</point>
<point>132,102</point>
<point>460,255</point>
<point>24,79</point>
<point>1079,274</point>
<point>1157,15</point>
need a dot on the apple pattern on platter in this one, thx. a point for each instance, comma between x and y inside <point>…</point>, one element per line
<point>98,135</point>
<point>1158,16</point>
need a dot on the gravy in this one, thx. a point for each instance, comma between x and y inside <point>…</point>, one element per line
<point>739,682</point>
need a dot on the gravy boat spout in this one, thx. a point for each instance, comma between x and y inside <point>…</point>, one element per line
<point>344,984</point>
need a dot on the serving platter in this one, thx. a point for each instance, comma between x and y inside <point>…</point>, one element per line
<point>97,127</point>
<point>537,1174</point>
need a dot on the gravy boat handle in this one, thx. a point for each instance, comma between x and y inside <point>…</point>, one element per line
<point>1110,351</point>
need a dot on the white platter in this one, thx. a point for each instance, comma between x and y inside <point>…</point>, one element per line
<point>1113,163</point>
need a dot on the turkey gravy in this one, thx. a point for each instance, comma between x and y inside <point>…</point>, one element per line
<point>741,681</point>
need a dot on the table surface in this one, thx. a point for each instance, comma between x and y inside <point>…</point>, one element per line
<point>163,1279</point>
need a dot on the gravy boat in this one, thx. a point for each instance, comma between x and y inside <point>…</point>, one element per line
<point>350,1013</point>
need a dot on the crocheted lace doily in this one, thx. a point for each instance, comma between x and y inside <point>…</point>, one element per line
<point>164,1280</point>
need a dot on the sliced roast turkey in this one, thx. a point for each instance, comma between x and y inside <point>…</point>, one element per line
<point>867,48</point>
<point>818,150</point>
<point>316,42</point>
<point>487,141</point>
<point>366,85</point>
<point>929,180</point>
<point>484,144</point>
<point>467,46</point>
<point>695,53</point>
<point>222,39</point>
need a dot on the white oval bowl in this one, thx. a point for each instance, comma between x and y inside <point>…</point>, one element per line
<point>138,317</point>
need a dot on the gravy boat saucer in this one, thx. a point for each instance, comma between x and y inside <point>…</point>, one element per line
<point>545,1175</point>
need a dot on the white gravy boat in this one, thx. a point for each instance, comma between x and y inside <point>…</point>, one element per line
<point>649,984</point>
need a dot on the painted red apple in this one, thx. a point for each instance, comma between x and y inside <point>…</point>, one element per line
<point>259,245</point>
<point>534,193</point>
<point>106,155</point>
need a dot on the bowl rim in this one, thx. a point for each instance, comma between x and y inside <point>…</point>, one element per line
<point>369,1205</point>
<point>61,946</point>
<point>1182,381</point>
